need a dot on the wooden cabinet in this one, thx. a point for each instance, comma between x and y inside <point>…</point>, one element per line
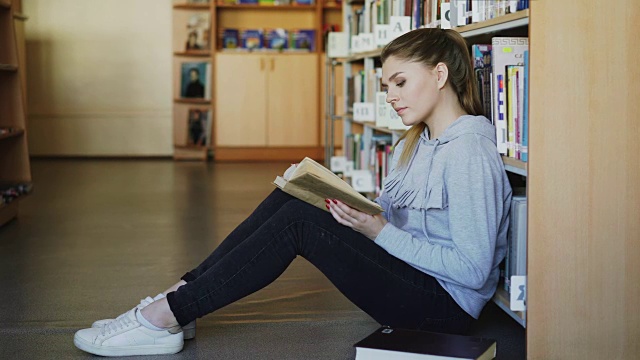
<point>266,100</point>
<point>15,170</point>
<point>241,101</point>
<point>292,93</point>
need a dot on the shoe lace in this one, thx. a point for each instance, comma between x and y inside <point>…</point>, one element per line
<point>119,323</point>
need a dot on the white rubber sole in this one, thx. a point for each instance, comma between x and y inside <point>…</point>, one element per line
<point>188,330</point>
<point>126,350</point>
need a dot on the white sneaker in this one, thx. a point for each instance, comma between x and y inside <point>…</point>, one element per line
<point>189,330</point>
<point>126,336</point>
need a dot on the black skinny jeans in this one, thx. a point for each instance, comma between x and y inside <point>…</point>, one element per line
<point>283,227</point>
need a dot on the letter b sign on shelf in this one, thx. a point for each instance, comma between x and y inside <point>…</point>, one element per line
<point>364,111</point>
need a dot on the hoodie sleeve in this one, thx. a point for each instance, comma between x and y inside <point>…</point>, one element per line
<point>384,201</point>
<point>474,186</point>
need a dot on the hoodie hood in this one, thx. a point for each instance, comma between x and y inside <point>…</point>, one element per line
<point>405,186</point>
<point>466,124</point>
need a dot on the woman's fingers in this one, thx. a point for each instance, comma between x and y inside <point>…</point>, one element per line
<point>349,216</point>
<point>339,216</point>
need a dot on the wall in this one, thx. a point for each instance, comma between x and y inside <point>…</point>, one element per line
<point>99,77</point>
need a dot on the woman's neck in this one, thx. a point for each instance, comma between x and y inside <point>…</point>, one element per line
<point>447,111</point>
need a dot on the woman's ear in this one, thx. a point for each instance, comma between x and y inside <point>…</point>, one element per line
<point>442,73</point>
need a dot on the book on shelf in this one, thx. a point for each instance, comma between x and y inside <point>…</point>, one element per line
<point>230,38</point>
<point>252,39</point>
<point>524,146</point>
<point>313,183</point>
<point>198,27</point>
<point>199,127</point>
<point>482,67</point>
<point>277,39</point>
<point>516,256</point>
<point>393,343</point>
<point>505,51</point>
<point>195,80</point>
<point>303,39</point>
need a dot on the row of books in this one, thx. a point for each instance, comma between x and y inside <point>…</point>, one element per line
<point>502,74</point>
<point>515,262</point>
<point>367,174</point>
<point>429,13</point>
<point>270,39</point>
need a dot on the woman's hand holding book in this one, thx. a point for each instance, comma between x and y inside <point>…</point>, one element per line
<point>368,225</point>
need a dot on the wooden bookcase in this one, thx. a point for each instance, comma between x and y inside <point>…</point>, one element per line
<point>185,110</point>
<point>14,155</point>
<point>263,105</point>
<point>583,192</point>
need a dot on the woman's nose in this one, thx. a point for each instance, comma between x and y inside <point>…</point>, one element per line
<point>391,97</point>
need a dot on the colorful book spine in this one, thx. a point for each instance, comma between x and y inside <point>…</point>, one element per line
<point>524,152</point>
<point>505,51</point>
<point>303,39</point>
<point>501,126</point>
<point>277,39</point>
<point>252,39</point>
<point>230,38</point>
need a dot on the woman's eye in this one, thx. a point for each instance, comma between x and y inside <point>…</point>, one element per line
<point>401,83</point>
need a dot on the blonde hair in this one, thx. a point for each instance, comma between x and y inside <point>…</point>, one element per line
<point>432,46</point>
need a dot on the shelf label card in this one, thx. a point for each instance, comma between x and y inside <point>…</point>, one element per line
<point>367,42</point>
<point>382,110</point>
<point>518,299</point>
<point>338,164</point>
<point>399,25</point>
<point>348,168</point>
<point>362,180</point>
<point>338,45</point>
<point>445,9</point>
<point>364,111</point>
<point>356,45</point>
<point>382,34</point>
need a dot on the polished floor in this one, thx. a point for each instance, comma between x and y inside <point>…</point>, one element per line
<point>96,236</point>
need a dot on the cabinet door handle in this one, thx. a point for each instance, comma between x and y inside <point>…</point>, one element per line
<point>272,64</point>
<point>261,64</point>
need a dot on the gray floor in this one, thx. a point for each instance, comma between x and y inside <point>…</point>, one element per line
<point>98,235</point>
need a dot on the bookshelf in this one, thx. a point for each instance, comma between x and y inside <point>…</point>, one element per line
<point>192,110</point>
<point>267,103</point>
<point>15,169</point>
<point>583,218</point>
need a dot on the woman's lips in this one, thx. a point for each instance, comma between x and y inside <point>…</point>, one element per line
<point>400,110</point>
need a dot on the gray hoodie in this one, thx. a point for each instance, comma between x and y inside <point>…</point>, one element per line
<point>448,210</point>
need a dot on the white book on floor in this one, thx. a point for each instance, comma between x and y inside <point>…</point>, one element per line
<point>401,344</point>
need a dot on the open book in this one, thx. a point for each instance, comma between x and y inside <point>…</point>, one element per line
<point>313,183</point>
